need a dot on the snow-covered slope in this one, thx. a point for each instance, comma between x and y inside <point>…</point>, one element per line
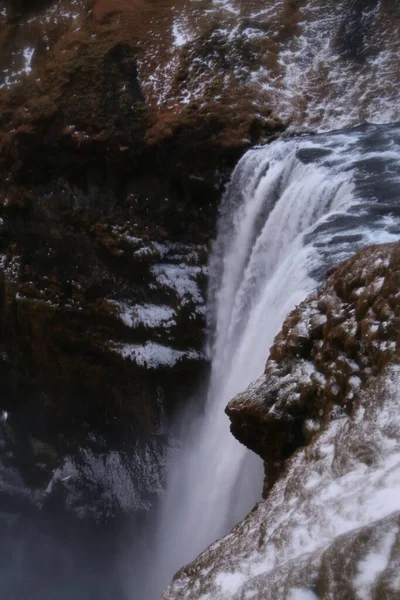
<point>330,526</point>
<point>315,64</point>
<point>328,431</point>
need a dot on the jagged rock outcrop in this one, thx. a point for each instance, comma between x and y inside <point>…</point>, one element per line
<point>325,419</point>
<point>329,347</point>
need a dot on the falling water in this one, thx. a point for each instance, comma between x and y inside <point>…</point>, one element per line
<point>292,210</point>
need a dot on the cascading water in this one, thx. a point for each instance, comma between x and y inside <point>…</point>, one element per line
<point>292,210</point>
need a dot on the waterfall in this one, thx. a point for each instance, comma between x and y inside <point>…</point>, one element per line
<point>292,210</point>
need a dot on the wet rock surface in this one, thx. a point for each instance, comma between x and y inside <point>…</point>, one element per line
<point>324,418</point>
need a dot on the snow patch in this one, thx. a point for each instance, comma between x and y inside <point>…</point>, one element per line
<point>180,35</point>
<point>146,315</point>
<point>28,54</point>
<point>13,77</point>
<point>301,594</point>
<point>181,279</point>
<point>154,356</point>
<point>373,565</point>
<point>230,583</point>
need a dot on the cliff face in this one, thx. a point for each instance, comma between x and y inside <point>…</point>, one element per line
<point>325,419</point>
<point>107,203</point>
<point>119,124</point>
<point>104,242</point>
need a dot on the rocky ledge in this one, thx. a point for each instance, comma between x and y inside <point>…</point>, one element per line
<point>325,419</point>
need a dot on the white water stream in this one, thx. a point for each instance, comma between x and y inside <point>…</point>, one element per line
<point>292,209</point>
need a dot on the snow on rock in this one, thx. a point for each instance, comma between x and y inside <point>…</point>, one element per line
<point>325,417</point>
<point>162,331</point>
<point>11,77</point>
<point>181,35</point>
<point>181,279</point>
<point>154,356</point>
<point>276,53</point>
<point>374,564</point>
<point>147,315</point>
<point>332,521</point>
<point>312,65</point>
<point>135,350</point>
<point>59,14</point>
<point>301,594</point>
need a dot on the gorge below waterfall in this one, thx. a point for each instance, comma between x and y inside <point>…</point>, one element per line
<point>199,300</point>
